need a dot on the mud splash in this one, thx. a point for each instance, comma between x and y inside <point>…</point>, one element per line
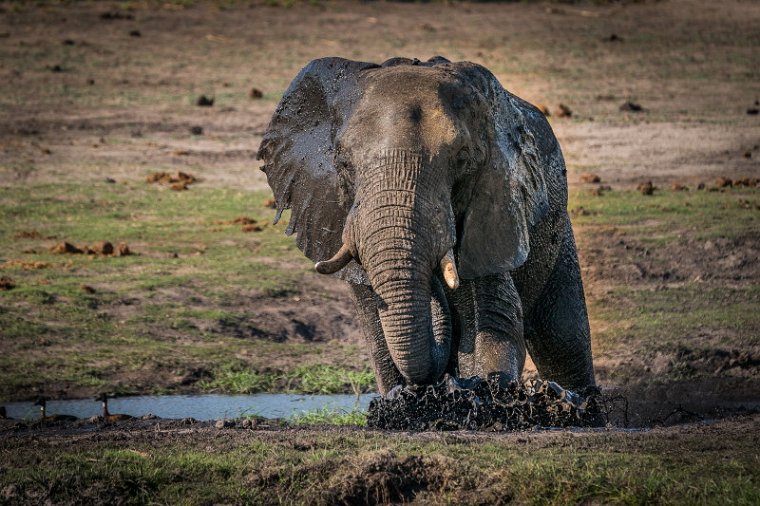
<point>477,404</point>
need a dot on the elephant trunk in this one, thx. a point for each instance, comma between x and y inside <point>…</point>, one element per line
<point>399,251</point>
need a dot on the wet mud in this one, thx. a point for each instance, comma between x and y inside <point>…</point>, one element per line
<point>478,404</point>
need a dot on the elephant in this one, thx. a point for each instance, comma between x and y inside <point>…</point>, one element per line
<point>441,198</point>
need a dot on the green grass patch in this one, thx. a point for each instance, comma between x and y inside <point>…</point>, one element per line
<point>667,216</point>
<point>301,466</point>
<point>327,416</point>
<point>176,305</point>
<point>658,319</point>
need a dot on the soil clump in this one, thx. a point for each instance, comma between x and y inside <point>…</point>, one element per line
<point>588,177</point>
<point>104,248</point>
<point>6,283</point>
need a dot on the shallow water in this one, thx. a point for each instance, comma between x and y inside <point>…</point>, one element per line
<point>200,407</point>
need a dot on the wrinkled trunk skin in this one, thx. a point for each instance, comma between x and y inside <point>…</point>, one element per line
<point>399,254</point>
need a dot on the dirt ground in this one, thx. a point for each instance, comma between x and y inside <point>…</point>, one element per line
<point>183,461</point>
<point>97,95</point>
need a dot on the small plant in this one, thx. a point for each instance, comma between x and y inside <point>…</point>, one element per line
<point>326,416</point>
<point>322,379</point>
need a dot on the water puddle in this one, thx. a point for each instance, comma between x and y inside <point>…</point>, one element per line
<point>200,407</point>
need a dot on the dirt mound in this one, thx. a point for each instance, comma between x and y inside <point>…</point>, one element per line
<point>31,234</point>
<point>66,248</point>
<point>178,181</point>
<point>104,248</point>
<point>476,404</point>
<point>385,478</point>
<point>204,101</point>
<point>588,177</point>
<point>6,283</point>
<point>629,106</point>
<point>565,111</point>
<point>247,224</point>
<point>23,264</point>
<point>646,188</point>
<point>240,220</point>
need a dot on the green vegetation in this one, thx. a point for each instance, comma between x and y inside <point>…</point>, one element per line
<point>655,319</point>
<point>326,416</point>
<point>160,320</point>
<point>668,216</point>
<point>673,267</point>
<point>307,466</point>
<point>181,308</point>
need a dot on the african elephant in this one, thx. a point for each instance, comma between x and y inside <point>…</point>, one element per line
<point>441,198</point>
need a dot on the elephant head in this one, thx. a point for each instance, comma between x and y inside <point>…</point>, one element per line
<point>406,176</point>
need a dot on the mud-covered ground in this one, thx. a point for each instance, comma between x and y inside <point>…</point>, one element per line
<point>97,99</point>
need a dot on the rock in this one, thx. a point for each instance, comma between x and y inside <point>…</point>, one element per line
<point>196,130</point>
<point>564,111</point>
<point>256,93</point>
<point>135,33</point>
<point>723,182</point>
<point>224,424</point>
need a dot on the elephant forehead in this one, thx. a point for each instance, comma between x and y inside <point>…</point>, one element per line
<point>410,102</point>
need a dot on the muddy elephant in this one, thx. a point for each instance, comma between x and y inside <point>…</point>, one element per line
<point>441,198</point>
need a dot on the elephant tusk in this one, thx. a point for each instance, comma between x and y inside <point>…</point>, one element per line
<point>336,263</point>
<point>449,269</point>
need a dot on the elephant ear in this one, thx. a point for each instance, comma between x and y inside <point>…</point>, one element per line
<point>507,194</point>
<point>299,157</point>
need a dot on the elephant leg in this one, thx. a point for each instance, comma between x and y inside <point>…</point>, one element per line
<point>489,313</point>
<point>386,373</point>
<point>557,330</point>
